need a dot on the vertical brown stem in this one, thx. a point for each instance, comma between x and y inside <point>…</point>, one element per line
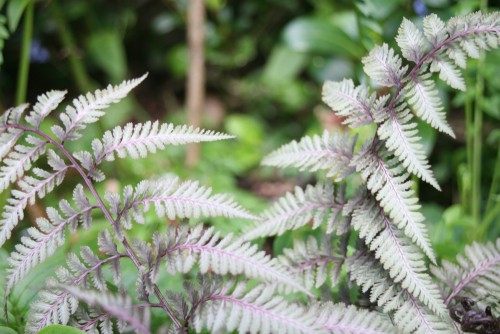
<point>196,74</point>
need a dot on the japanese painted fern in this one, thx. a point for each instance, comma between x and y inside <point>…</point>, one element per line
<point>239,287</point>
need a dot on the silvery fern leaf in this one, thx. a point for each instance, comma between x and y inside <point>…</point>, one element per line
<point>87,162</point>
<point>46,104</point>
<point>390,184</point>
<point>174,199</point>
<point>19,160</point>
<point>349,102</point>
<point>400,136</point>
<point>384,66</point>
<point>331,152</point>
<point>410,316</point>
<point>411,41</point>
<point>434,30</point>
<point>400,257</point>
<point>475,275</point>
<point>90,107</point>
<point>313,261</point>
<point>184,248</point>
<point>448,72</point>
<point>55,305</point>
<point>8,135</point>
<point>318,204</point>
<point>119,306</point>
<point>30,187</point>
<point>93,320</point>
<point>259,311</point>
<point>422,95</point>
<point>140,139</point>
<point>42,242</point>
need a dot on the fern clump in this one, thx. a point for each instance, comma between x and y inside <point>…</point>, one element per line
<point>239,287</point>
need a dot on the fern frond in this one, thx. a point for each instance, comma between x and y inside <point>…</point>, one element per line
<point>87,162</point>
<point>411,41</point>
<point>90,107</point>
<point>223,256</point>
<point>30,187</point>
<point>348,319</point>
<point>55,305</point>
<point>399,256</point>
<point>401,137</point>
<point>350,102</point>
<point>448,72</point>
<point>389,183</point>
<point>384,66</point>
<point>20,160</point>
<point>475,275</point>
<point>257,311</point>
<point>140,139</point>
<point>117,305</point>
<point>434,30</point>
<point>41,243</point>
<point>319,204</point>
<point>422,95</point>
<point>409,315</point>
<point>92,320</point>
<point>313,261</point>
<point>331,152</point>
<point>8,135</point>
<point>46,104</point>
<point>175,199</point>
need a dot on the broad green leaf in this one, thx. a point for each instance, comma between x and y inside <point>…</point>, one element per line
<point>7,330</point>
<point>284,64</point>
<point>15,10</point>
<point>319,35</point>
<point>60,329</point>
<point>106,49</point>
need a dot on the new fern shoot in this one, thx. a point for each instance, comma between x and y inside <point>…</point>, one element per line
<point>235,286</point>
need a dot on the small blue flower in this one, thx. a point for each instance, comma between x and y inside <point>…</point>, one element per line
<point>420,8</point>
<point>38,53</point>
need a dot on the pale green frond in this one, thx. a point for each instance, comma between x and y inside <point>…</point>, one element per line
<point>119,306</point>
<point>349,102</point>
<point>390,184</point>
<point>448,72</point>
<point>400,136</point>
<point>400,257</point>
<point>411,41</point>
<point>55,305</point>
<point>8,135</point>
<point>138,140</point>
<point>175,199</point>
<point>475,275</point>
<point>90,107</point>
<point>339,318</point>
<point>410,316</point>
<point>185,248</point>
<point>331,152</point>
<point>46,104</point>
<point>19,160</point>
<point>434,29</point>
<point>29,188</point>
<point>42,242</point>
<point>318,204</point>
<point>258,311</point>
<point>314,262</point>
<point>384,66</point>
<point>422,95</point>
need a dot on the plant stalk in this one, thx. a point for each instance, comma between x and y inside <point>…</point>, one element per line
<point>24,59</point>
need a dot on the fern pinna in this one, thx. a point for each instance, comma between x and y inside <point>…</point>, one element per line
<point>239,287</point>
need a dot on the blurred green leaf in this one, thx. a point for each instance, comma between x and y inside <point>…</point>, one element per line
<point>284,64</point>
<point>106,50</point>
<point>454,216</point>
<point>60,329</point>
<point>6,330</point>
<point>321,36</point>
<point>177,60</point>
<point>15,9</point>
<point>378,9</point>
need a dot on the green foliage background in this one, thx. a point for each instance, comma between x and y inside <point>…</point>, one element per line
<point>266,62</point>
